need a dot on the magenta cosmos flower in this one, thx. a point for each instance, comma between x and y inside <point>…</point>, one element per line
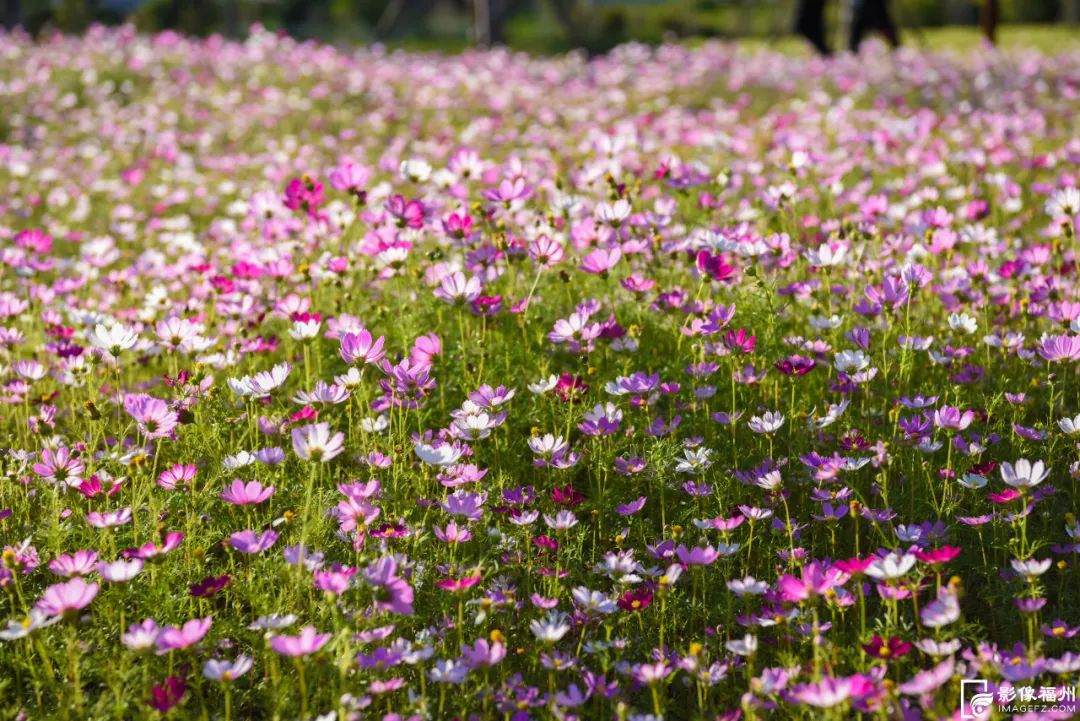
<point>307,643</point>
<point>815,580</point>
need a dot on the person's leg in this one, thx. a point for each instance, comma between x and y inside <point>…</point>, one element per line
<point>886,25</point>
<point>988,18</point>
<point>871,16</point>
<point>810,23</point>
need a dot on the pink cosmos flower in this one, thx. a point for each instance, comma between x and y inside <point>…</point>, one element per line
<point>600,261</point>
<point>713,266</point>
<point>246,494</point>
<point>483,654</point>
<point>395,594</point>
<point>304,194</point>
<point>67,598</point>
<point>172,638</point>
<point>424,350</point>
<point>164,696</point>
<point>80,563</point>
<point>59,466</point>
<point>152,415</point>
<point>952,418</point>
<point>305,644</point>
<point>359,347</point>
<point>109,519</point>
<point>696,556</point>
<point>1059,348</point>
<point>457,289</point>
<point>151,550</point>
<point>349,177</point>
<point>459,584</point>
<point>182,474</point>
<point>546,252</point>
<point>815,580</point>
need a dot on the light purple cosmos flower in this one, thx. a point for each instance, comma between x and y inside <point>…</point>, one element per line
<point>251,542</point>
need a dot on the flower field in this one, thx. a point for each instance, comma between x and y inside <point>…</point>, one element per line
<point>682,382</point>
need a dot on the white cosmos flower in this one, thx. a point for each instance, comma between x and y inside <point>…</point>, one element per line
<point>694,461</point>
<point>1030,569</point>
<point>826,255</point>
<point>23,627</point>
<point>892,566</point>
<point>767,423</point>
<point>825,323</point>
<point>972,481</point>
<point>1064,204</point>
<point>552,628</point>
<point>745,646</point>
<point>851,360</point>
<point>1070,426</point>
<point>548,445</point>
<point>835,411</point>
<point>416,170</point>
<point>239,460</point>
<point>594,601</point>
<point>1024,474</point>
<point>748,586</point>
<point>963,322</point>
<point>113,338</point>
<point>444,454</point>
<point>265,382</point>
<point>316,442</point>
<point>544,384</point>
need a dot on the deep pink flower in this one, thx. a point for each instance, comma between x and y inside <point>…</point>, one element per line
<point>714,266</point>
<point>164,696</point>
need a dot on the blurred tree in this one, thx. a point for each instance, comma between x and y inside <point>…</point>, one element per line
<point>72,16</point>
<point>573,19</point>
<point>10,13</point>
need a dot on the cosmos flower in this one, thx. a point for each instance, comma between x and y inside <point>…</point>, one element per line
<point>316,442</point>
<point>1024,474</point>
<point>227,671</point>
<point>307,642</point>
<point>174,638</point>
<point>244,494</point>
<point>67,598</point>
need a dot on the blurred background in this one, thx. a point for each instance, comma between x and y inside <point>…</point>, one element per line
<point>541,26</point>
